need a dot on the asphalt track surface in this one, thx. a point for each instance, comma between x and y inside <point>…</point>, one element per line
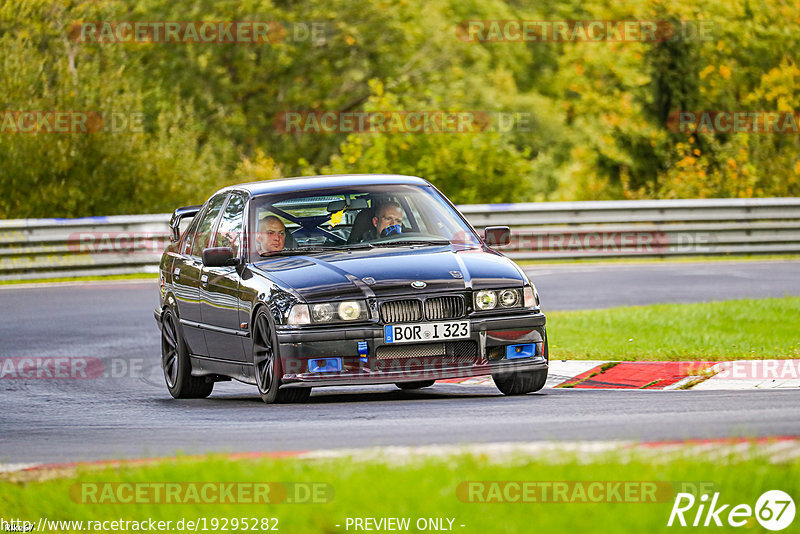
<point>130,414</point>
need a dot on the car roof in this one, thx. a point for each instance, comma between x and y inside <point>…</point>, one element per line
<point>309,183</point>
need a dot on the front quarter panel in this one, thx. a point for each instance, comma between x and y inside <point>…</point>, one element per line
<point>257,290</point>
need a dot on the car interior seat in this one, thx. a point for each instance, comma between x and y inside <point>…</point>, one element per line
<point>290,242</point>
<point>361,225</point>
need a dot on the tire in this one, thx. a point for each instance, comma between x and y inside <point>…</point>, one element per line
<point>293,395</point>
<point>415,385</point>
<point>175,363</point>
<point>267,365</point>
<point>522,382</point>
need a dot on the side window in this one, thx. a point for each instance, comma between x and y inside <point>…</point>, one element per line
<point>229,231</point>
<point>188,235</point>
<point>206,225</point>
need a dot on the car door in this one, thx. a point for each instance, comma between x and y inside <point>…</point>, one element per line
<point>219,288</point>
<point>186,275</point>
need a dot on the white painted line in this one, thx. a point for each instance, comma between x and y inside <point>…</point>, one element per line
<point>96,283</point>
<point>716,384</point>
<point>492,451</point>
<point>12,468</point>
<point>744,374</point>
<point>478,381</point>
<point>781,450</point>
<point>680,383</point>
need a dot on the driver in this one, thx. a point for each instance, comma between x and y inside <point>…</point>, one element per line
<point>271,235</point>
<point>387,221</point>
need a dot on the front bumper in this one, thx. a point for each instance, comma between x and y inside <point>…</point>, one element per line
<point>489,337</point>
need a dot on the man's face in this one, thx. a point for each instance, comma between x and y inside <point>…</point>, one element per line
<point>388,216</point>
<point>271,236</point>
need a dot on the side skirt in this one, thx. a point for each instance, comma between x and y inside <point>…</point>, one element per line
<point>219,370</point>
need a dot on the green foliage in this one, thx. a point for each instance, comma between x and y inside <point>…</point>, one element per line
<point>597,111</point>
<point>471,167</point>
<point>70,174</point>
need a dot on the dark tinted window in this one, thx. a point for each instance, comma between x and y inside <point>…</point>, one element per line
<point>188,235</point>
<point>229,231</point>
<point>206,225</point>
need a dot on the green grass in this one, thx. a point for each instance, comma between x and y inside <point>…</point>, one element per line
<point>729,330</point>
<point>417,488</point>
<point>132,276</point>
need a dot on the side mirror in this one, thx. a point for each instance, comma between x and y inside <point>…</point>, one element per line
<point>219,257</point>
<point>497,236</point>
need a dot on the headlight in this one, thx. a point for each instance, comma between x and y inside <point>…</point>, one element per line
<point>509,298</point>
<point>299,315</point>
<point>322,313</point>
<point>328,312</point>
<point>350,310</point>
<point>489,299</point>
<point>485,300</point>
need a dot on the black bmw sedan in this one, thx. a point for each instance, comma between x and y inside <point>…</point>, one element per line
<point>342,280</point>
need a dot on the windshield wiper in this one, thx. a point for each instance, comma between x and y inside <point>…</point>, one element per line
<point>297,251</point>
<point>318,248</point>
<point>412,242</point>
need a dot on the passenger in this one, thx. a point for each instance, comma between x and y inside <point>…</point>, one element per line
<point>271,235</point>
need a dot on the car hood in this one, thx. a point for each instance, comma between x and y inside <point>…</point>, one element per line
<point>391,271</point>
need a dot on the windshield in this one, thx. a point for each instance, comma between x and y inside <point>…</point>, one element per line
<point>354,217</point>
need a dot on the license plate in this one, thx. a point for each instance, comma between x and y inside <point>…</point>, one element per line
<point>414,333</point>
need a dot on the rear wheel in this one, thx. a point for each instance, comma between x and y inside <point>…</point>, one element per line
<point>415,385</point>
<point>175,363</point>
<point>522,382</point>
<point>267,365</point>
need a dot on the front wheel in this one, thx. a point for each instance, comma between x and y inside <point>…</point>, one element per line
<point>267,365</point>
<point>175,363</point>
<point>522,382</point>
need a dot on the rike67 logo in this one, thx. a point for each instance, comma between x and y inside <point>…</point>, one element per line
<point>774,510</point>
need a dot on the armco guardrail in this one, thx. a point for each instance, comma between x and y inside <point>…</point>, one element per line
<point>647,228</point>
<point>46,248</point>
<point>50,248</point>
